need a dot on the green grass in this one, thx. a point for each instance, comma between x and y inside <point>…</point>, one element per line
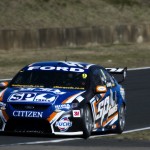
<point>20,14</point>
<point>140,135</point>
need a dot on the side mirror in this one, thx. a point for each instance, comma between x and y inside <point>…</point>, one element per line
<point>101,89</point>
<point>3,85</point>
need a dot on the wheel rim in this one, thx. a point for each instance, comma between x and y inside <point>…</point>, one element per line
<point>88,120</point>
<point>122,118</point>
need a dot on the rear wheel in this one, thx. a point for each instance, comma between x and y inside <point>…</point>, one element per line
<point>87,122</point>
<point>121,120</point>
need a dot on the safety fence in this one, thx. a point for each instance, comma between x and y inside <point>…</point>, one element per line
<point>71,37</point>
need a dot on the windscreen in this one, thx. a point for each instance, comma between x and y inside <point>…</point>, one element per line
<point>50,79</point>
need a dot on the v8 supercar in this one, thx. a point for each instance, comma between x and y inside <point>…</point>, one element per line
<point>63,98</point>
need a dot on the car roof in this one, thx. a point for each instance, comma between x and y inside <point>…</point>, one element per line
<point>63,64</point>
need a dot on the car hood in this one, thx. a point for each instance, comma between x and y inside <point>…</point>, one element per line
<point>40,95</point>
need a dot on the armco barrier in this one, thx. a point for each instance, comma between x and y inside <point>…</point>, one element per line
<point>79,36</point>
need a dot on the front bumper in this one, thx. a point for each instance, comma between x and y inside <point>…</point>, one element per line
<point>58,123</point>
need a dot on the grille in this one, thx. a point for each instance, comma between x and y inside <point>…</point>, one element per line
<point>28,125</point>
<point>29,107</point>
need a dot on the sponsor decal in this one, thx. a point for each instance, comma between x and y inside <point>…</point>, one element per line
<point>55,91</point>
<point>69,87</point>
<point>28,114</point>
<point>63,124</point>
<point>32,97</point>
<point>115,69</point>
<point>122,92</point>
<point>112,110</point>
<point>100,109</point>
<point>103,109</point>
<point>22,97</point>
<point>76,113</point>
<point>113,98</point>
<point>71,69</point>
<point>84,75</point>
<point>63,107</point>
<point>45,98</point>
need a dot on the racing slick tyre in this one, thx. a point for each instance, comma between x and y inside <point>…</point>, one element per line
<point>121,120</point>
<point>87,122</point>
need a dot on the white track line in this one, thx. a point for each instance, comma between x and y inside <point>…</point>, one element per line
<point>136,130</point>
<point>73,139</point>
<point>128,131</point>
<point>142,68</point>
<point>91,137</point>
<point>5,80</point>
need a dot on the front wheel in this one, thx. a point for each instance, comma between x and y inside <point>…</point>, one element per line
<point>87,122</point>
<point>121,120</point>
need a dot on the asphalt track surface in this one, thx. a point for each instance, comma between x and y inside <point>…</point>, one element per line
<point>137,87</point>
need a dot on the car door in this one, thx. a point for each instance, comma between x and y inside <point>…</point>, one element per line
<point>103,104</point>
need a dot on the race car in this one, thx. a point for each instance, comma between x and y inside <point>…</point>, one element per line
<point>63,98</point>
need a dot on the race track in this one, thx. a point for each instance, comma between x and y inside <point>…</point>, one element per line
<point>137,87</point>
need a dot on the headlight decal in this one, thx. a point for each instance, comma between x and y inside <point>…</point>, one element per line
<point>50,118</point>
<point>54,116</point>
<point>3,106</point>
<point>2,94</point>
<point>5,116</point>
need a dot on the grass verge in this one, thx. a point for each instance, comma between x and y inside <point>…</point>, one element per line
<point>107,55</point>
<point>139,135</point>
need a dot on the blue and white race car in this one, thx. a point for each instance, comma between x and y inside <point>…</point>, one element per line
<point>63,98</point>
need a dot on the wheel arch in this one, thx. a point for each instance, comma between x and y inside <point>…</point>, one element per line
<point>89,104</point>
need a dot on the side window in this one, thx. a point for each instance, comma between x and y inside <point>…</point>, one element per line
<point>108,78</point>
<point>103,77</point>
